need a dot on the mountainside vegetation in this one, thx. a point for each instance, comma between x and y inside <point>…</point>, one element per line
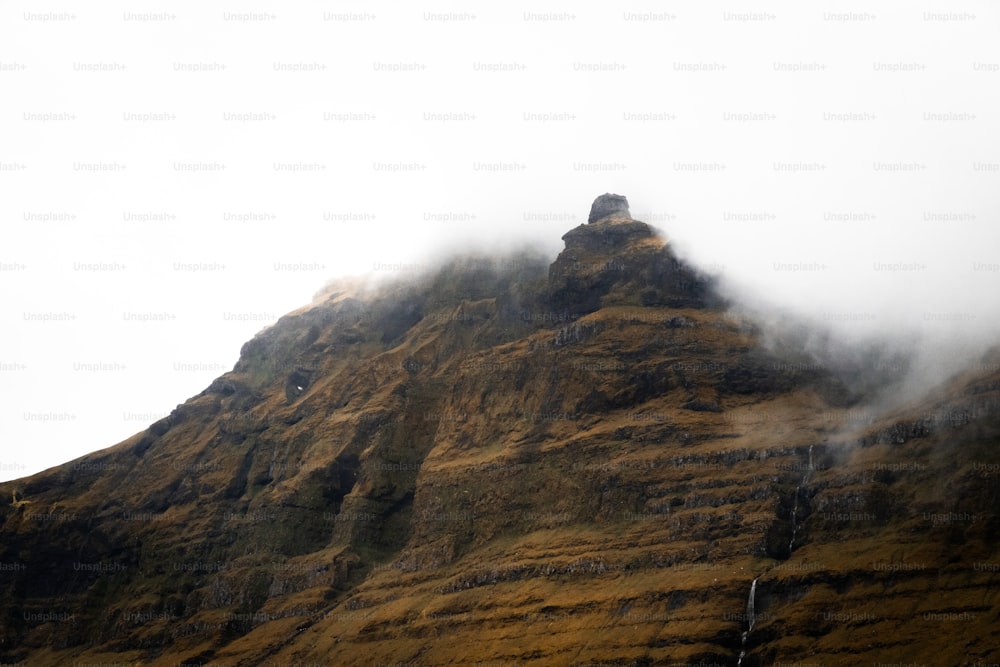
<point>507,461</point>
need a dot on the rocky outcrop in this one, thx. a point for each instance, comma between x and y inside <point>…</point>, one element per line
<point>615,260</point>
<point>608,204</point>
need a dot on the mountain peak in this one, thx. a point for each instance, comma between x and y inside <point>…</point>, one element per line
<point>617,259</point>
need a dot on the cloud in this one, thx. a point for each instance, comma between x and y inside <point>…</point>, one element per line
<point>234,179</point>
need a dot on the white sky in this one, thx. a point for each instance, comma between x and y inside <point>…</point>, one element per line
<point>797,68</point>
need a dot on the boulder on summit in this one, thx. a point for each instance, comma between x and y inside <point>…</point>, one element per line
<point>608,204</point>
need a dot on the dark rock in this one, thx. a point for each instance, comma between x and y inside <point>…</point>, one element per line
<point>223,385</point>
<point>161,426</point>
<point>610,236</point>
<point>698,405</point>
<point>677,322</point>
<point>779,535</point>
<point>617,259</point>
<point>298,382</point>
<point>608,204</point>
<point>145,442</point>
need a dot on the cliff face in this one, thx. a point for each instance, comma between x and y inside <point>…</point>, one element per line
<point>515,463</point>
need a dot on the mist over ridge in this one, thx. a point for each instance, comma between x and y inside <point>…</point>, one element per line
<point>835,300</point>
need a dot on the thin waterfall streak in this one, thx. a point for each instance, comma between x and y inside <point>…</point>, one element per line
<point>751,617</point>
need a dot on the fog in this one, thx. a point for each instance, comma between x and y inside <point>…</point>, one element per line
<point>174,181</point>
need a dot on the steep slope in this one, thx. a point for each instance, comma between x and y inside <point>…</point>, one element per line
<point>514,463</point>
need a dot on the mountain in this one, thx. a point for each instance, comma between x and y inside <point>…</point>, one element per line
<point>507,461</point>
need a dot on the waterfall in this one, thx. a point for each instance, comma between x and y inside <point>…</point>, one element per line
<point>795,526</point>
<point>798,491</point>
<point>751,617</point>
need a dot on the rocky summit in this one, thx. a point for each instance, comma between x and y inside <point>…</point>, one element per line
<point>607,205</point>
<point>508,461</point>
